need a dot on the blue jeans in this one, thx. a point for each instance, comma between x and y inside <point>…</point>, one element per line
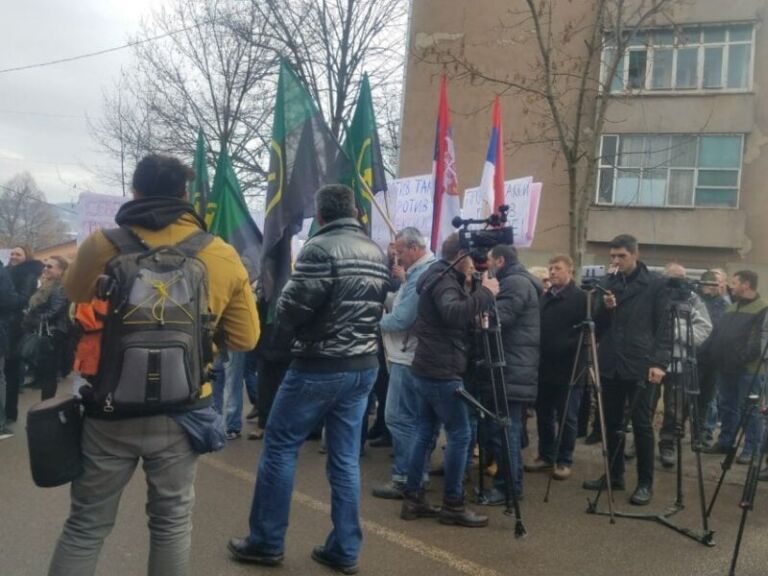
<point>734,389</point>
<point>550,407</point>
<point>402,418</point>
<point>228,389</point>
<point>514,435</point>
<point>251,378</point>
<point>436,402</point>
<point>304,400</point>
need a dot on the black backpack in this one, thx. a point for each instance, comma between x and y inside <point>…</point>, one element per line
<point>158,334</point>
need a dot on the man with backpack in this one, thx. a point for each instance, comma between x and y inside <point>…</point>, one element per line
<point>170,285</point>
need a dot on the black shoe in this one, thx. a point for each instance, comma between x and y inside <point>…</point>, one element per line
<point>320,556</point>
<point>390,491</point>
<point>667,456</point>
<point>714,449</point>
<point>416,506</point>
<point>642,496</point>
<point>242,551</point>
<point>495,497</point>
<point>382,441</point>
<point>456,514</point>
<point>253,414</point>
<point>599,483</point>
<point>593,438</point>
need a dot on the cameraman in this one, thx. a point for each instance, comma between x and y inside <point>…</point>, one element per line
<point>517,306</point>
<point>634,352</point>
<point>445,313</point>
<point>682,297</point>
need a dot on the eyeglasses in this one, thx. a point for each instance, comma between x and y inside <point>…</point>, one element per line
<point>49,265</point>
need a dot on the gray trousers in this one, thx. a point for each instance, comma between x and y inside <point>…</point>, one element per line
<point>111,451</point>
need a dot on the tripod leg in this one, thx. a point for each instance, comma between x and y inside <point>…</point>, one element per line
<point>747,501</point>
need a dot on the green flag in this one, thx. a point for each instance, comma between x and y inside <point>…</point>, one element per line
<point>230,217</point>
<point>199,192</point>
<point>364,148</point>
<point>304,156</point>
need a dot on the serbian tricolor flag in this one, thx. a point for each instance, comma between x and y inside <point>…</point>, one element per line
<point>446,199</point>
<point>492,182</point>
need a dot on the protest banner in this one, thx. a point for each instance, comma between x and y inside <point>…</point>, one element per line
<point>409,201</point>
<point>96,211</point>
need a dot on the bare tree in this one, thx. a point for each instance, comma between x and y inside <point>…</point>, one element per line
<point>191,72</point>
<point>566,91</point>
<point>25,217</point>
<point>331,43</point>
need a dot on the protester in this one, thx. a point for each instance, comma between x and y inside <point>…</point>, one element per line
<point>48,318</point>
<point>401,416</point>
<point>228,391</point>
<point>563,309</point>
<point>331,305</point>
<point>634,352</point>
<point>8,306</point>
<point>542,273</point>
<point>25,272</point>
<point>717,300</point>
<point>691,309</point>
<point>735,349</point>
<point>111,447</point>
<point>517,312</point>
<point>445,313</point>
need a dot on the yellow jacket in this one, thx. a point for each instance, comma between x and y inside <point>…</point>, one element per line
<point>229,294</point>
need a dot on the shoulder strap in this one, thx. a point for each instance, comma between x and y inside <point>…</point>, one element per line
<point>125,240</point>
<point>194,243</point>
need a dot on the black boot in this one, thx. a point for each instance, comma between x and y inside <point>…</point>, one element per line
<point>454,512</point>
<point>415,506</point>
<point>599,484</point>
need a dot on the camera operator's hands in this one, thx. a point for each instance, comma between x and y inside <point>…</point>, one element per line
<point>491,284</point>
<point>398,272</point>
<point>609,300</point>
<point>656,375</point>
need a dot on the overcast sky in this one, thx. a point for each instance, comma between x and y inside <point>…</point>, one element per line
<point>43,128</point>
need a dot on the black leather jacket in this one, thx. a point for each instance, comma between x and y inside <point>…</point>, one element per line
<point>334,300</point>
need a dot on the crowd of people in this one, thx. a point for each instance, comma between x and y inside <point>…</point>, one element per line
<point>355,333</point>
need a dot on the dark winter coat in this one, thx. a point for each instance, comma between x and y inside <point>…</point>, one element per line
<point>636,335</point>
<point>24,277</point>
<point>49,306</point>
<point>9,305</point>
<point>561,315</point>
<point>518,312</point>
<point>334,300</point>
<point>446,313</point>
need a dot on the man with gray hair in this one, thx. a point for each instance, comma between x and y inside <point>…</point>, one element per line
<point>401,417</point>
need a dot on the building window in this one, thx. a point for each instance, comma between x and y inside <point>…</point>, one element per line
<point>670,170</point>
<point>692,58</point>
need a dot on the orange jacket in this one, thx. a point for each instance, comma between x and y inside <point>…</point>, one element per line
<point>90,319</point>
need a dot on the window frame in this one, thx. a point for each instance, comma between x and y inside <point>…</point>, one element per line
<point>678,43</point>
<point>616,167</point>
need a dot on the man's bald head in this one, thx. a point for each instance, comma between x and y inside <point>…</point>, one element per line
<point>674,270</point>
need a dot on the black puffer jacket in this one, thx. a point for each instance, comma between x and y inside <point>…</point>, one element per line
<point>9,305</point>
<point>518,310</point>
<point>334,300</point>
<point>24,277</point>
<point>445,315</point>
<point>636,335</point>
<point>561,312</point>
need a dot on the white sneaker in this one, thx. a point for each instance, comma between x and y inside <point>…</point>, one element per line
<point>6,435</point>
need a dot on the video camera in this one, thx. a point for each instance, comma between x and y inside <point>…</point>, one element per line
<point>680,289</point>
<point>478,242</point>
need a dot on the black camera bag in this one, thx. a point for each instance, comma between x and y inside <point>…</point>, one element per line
<point>54,429</point>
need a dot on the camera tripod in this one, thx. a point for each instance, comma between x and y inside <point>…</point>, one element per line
<point>586,364</point>
<point>753,403</point>
<point>683,376</point>
<point>493,360</point>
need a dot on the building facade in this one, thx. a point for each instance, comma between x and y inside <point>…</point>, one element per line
<point>682,160</point>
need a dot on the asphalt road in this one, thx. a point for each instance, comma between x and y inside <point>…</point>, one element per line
<point>562,538</point>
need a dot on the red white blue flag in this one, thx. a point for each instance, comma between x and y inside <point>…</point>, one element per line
<point>446,196</point>
<point>492,181</point>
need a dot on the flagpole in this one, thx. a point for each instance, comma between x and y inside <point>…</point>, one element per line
<point>387,221</point>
